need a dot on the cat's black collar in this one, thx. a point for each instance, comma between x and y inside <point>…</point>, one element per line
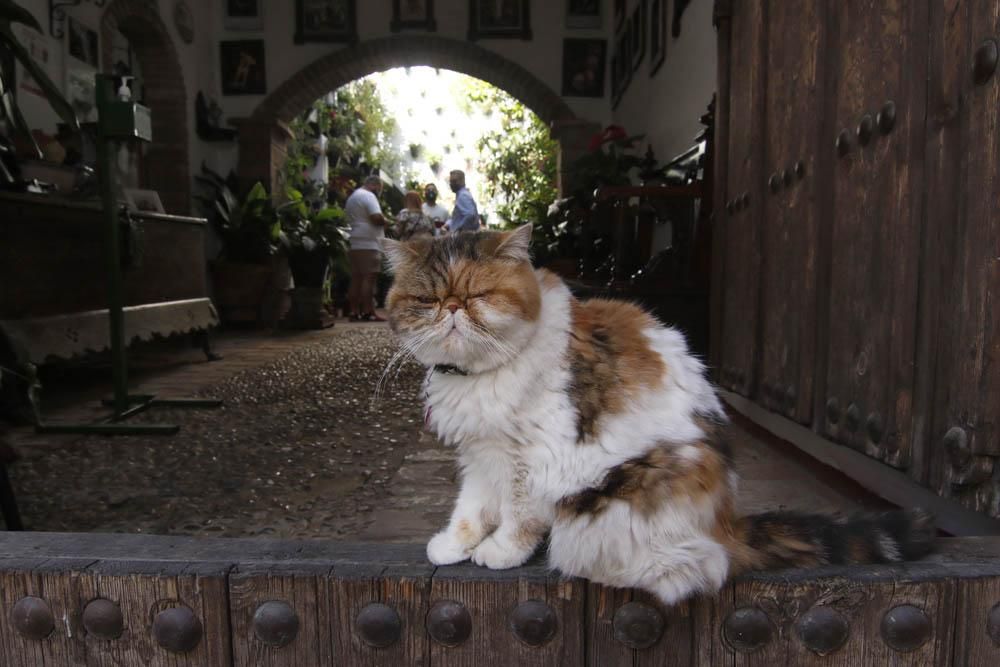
<point>448,369</point>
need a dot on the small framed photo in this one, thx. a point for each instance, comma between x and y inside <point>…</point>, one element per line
<point>243,67</point>
<point>145,201</point>
<point>243,15</point>
<point>657,34</point>
<point>413,15</point>
<point>583,14</point>
<point>583,67</point>
<point>82,43</point>
<point>325,21</point>
<point>499,19</point>
<point>637,34</point>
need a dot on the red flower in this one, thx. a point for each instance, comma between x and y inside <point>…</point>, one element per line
<point>610,133</point>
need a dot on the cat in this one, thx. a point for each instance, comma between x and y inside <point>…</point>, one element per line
<point>591,422</point>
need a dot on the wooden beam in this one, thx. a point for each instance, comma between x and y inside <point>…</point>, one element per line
<point>880,479</point>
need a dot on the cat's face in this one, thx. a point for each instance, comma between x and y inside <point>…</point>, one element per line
<point>467,300</point>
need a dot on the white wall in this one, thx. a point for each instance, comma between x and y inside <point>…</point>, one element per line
<point>666,107</point>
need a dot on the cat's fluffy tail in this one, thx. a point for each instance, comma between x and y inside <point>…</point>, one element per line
<point>792,539</point>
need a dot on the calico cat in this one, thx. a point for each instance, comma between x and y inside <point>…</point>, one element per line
<point>590,421</point>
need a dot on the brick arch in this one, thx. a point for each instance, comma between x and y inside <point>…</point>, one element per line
<point>264,135</point>
<point>165,162</point>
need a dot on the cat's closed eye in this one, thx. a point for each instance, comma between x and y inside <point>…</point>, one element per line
<point>427,299</point>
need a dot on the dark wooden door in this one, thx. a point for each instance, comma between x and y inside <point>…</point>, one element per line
<point>964,252</point>
<point>794,109</point>
<point>878,62</point>
<point>743,207</point>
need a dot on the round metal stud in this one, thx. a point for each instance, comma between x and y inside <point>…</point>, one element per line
<point>533,622</point>
<point>823,630</point>
<point>449,623</point>
<point>956,445</point>
<point>275,623</point>
<point>177,629</point>
<point>886,118</point>
<point>730,207</point>
<point>852,418</point>
<point>906,628</point>
<point>832,410</point>
<point>774,183</point>
<point>875,427</point>
<point>103,619</point>
<point>787,177</point>
<point>843,143</point>
<point>984,62</point>
<point>800,169</point>
<point>747,629</point>
<point>638,625</point>
<point>745,200</point>
<point>378,625</point>
<point>32,618</point>
<point>866,128</point>
<point>993,624</point>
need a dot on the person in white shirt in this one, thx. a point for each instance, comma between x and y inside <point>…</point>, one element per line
<point>367,231</point>
<point>433,211</point>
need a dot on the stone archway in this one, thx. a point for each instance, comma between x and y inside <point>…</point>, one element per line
<point>166,158</point>
<point>264,136</point>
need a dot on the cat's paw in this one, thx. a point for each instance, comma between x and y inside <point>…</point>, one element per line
<point>499,554</point>
<point>445,549</point>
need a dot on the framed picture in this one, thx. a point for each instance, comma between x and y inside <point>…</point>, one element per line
<point>657,34</point>
<point>147,201</point>
<point>325,21</point>
<point>413,15</point>
<point>499,18</point>
<point>583,67</point>
<point>621,68</point>
<point>81,92</point>
<point>637,34</point>
<point>81,43</point>
<point>243,14</point>
<point>619,14</point>
<point>583,14</point>
<point>243,67</point>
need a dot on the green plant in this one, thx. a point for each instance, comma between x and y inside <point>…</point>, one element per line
<point>607,163</point>
<point>250,231</point>
<point>311,238</point>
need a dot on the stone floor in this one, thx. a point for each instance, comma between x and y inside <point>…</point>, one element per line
<point>301,448</point>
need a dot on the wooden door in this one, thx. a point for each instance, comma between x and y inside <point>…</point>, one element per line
<point>879,64</point>
<point>743,198</point>
<point>794,105</point>
<point>963,252</point>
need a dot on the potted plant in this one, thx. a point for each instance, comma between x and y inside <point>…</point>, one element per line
<point>314,241</point>
<point>245,266</point>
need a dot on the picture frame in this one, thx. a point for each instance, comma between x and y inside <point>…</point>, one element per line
<point>243,15</point>
<point>657,35</point>
<point>82,43</point>
<point>621,68</point>
<point>637,34</point>
<point>583,14</point>
<point>499,19</point>
<point>326,21</point>
<point>413,15</point>
<point>143,201</point>
<point>583,67</point>
<point>243,67</point>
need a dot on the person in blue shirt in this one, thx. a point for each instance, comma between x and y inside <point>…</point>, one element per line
<point>465,217</point>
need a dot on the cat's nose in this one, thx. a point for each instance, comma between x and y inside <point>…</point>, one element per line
<point>453,307</point>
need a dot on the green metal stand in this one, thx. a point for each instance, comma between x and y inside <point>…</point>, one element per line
<point>120,121</point>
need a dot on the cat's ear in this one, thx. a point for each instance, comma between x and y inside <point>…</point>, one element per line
<point>397,252</point>
<point>515,244</point>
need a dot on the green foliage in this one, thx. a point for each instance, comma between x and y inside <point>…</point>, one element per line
<point>249,231</point>
<point>312,239</point>
<point>519,159</point>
